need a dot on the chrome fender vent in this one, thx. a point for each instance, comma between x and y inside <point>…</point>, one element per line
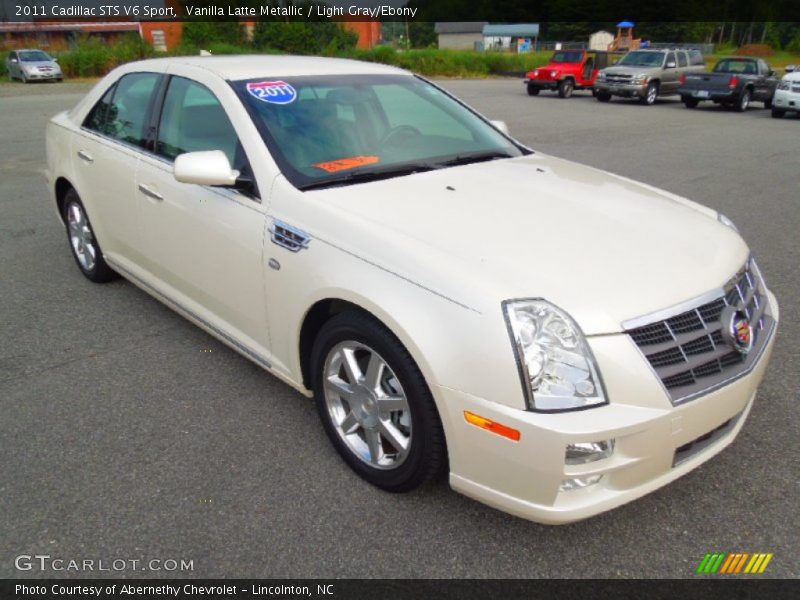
<point>289,237</point>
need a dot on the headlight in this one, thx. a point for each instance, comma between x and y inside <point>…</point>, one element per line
<point>536,72</point>
<point>727,222</point>
<point>641,78</point>
<point>601,75</point>
<point>783,85</point>
<point>556,365</point>
<point>553,74</point>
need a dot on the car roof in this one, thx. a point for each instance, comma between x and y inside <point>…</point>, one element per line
<point>238,67</point>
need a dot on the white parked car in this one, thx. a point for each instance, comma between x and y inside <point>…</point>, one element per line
<point>787,94</point>
<point>560,340</point>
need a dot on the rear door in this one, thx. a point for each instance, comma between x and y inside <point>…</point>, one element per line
<point>203,245</point>
<point>105,157</point>
<point>670,75</point>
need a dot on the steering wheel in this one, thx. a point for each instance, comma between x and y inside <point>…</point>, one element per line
<point>400,130</point>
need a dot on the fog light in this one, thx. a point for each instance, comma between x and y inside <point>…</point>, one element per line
<point>580,453</point>
<point>577,483</point>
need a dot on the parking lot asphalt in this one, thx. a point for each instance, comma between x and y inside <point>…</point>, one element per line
<point>128,433</point>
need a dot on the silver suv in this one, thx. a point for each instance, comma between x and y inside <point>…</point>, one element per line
<point>647,74</point>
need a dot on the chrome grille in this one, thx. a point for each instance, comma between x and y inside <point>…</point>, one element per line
<point>689,351</point>
<point>796,87</point>
<point>617,78</point>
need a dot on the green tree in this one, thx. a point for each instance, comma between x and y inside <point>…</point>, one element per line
<point>200,34</point>
<point>303,37</point>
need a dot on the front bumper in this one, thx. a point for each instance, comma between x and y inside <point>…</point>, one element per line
<point>713,95</point>
<point>542,84</point>
<point>786,100</point>
<point>44,76</point>
<point>655,442</point>
<point>626,90</point>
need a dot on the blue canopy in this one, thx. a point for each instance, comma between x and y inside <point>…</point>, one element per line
<point>626,24</point>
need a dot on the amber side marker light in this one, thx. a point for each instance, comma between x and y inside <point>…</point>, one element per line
<point>489,425</point>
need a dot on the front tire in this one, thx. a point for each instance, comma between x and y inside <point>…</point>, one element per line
<point>602,96</point>
<point>375,405</point>
<point>744,101</point>
<point>650,95</point>
<point>565,88</point>
<point>85,248</point>
<point>533,90</point>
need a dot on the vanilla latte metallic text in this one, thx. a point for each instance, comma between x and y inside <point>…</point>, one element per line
<point>555,339</point>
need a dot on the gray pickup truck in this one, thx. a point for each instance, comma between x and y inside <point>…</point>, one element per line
<point>735,81</point>
<point>647,74</point>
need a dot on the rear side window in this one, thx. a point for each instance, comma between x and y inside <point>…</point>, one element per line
<point>696,58</point>
<point>682,62</point>
<point>670,58</point>
<point>123,116</point>
<point>193,120</point>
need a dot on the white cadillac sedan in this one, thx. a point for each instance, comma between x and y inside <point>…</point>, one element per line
<point>557,339</point>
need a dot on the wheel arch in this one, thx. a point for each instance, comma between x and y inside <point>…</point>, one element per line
<point>62,186</point>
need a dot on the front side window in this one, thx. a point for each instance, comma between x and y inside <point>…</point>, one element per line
<point>327,129</point>
<point>193,120</point>
<point>123,115</point>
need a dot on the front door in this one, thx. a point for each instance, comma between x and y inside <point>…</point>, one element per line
<point>203,245</point>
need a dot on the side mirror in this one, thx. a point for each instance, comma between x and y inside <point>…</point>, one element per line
<point>204,168</point>
<point>790,68</point>
<point>500,125</point>
<point>14,60</point>
<point>55,59</point>
<point>671,64</point>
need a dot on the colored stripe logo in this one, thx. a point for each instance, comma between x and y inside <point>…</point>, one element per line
<point>723,563</point>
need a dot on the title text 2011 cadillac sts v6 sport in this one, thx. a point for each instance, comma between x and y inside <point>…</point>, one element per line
<point>557,339</point>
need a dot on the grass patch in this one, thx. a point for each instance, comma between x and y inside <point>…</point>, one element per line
<point>92,58</point>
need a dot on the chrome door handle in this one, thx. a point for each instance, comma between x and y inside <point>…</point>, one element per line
<point>85,156</point>
<point>150,193</point>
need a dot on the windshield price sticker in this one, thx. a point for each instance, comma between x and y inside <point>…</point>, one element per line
<point>344,164</point>
<point>272,92</point>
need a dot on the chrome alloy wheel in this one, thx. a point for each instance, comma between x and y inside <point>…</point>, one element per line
<point>367,405</point>
<point>652,93</point>
<point>81,237</point>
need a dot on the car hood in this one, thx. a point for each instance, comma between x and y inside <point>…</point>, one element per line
<point>602,247</point>
<point>793,76</point>
<point>626,70</point>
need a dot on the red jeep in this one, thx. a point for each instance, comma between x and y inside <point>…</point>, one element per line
<point>569,70</point>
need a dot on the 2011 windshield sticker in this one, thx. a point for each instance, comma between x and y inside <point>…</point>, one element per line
<point>272,92</point>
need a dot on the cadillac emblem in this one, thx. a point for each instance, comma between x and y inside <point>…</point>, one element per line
<point>737,328</point>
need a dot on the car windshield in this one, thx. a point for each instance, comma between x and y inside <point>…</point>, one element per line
<point>642,59</point>
<point>33,56</point>
<point>567,57</point>
<point>736,66</point>
<point>334,130</point>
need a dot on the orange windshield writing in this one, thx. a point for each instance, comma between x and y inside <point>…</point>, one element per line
<point>343,164</point>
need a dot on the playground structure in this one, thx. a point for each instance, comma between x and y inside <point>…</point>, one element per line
<point>624,40</point>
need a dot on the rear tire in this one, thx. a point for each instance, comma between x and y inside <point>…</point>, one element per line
<point>366,412</point>
<point>768,103</point>
<point>85,248</point>
<point>602,96</point>
<point>744,101</point>
<point>777,113</point>
<point>533,90</point>
<point>691,102</point>
<point>565,87</point>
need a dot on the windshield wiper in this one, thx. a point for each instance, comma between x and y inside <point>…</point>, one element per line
<point>364,176</point>
<point>465,159</point>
